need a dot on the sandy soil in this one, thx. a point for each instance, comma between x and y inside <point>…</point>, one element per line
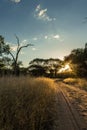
<point>71,104</point>
<point>78,98</point>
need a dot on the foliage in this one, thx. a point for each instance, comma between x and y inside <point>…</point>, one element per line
<point>78,61</point>
<point>66,74</point>
<point>44,67</point>
<point>4,48</point>
<point>37,70</point>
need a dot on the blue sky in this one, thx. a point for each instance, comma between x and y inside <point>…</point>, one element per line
<point>55,27</point>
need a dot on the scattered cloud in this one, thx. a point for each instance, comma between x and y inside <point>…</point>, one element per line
<point>35,38</point>
<point>34,49</point>
<point>24,42</point>
<point>14,46</point>
<point>46,37</point>
<point>42,14</point>
<point>50,37</point>
<point>56,36</point>
<point>16,1</point>
<point>38,8</point>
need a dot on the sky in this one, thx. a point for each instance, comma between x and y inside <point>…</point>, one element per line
<point>55,27</point>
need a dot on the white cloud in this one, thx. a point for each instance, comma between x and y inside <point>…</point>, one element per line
<point>35,38</point>
<point>24,41</point>
<point>46,37</point>
<point>38,8</point>
<point>16,1</point>
<point>56,36</point>
<point>51,37</point>
<point>42,14</point>
<point>34,49</point>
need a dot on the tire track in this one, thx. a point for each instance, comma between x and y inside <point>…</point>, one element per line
<point>67,117</point>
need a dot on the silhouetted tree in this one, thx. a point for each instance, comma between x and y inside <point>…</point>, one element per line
<point>44,67</point>
<point>78,61</point>
<point>54,66</point>
<point>37,70</point>
<point>37,67</point>
<point>6,49</point>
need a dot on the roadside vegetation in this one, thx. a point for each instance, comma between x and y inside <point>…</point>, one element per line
<point>27,103</point>
<point>77,82</point>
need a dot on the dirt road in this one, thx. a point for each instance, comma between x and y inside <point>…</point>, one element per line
<point>67,118</point>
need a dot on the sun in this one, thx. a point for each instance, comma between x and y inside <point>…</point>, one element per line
<point>65,68</point>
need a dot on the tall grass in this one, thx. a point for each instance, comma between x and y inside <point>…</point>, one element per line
<point>26,103</point>
<point>77,82</point>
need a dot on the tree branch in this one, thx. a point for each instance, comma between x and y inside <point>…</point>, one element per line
<point>18,43</point>
<point>12,56</point>
<point>17,40</point>
<point>20,50</point>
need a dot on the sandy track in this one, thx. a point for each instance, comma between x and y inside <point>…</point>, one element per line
<point>67,117</point>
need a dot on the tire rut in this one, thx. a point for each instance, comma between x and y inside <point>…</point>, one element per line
<point>67,117</point>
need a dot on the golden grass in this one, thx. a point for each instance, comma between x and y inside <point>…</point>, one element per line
<point>26,103</point>
<point>70,80</point>
<point>77,82</point>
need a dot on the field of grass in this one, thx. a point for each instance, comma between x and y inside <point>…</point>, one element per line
<point>77,82</point>
<point>27,103</point>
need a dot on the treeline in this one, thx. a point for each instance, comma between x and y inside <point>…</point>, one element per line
<point>10,64</point>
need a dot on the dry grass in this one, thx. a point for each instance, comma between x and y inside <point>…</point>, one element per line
<point>26,103</point>
<point>70,80</point>
<point>77,82</point>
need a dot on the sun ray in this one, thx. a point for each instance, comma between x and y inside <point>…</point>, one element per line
<point>65,68</point>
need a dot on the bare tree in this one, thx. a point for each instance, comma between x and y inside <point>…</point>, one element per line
<point>6,49</point>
